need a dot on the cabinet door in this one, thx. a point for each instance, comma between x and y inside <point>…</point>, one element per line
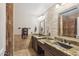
<point>34,43</point>
<point>53,51</point>
<point>47,53</point>
<point>36,49</point>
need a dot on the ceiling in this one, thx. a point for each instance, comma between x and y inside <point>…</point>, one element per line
<point>34,9</point>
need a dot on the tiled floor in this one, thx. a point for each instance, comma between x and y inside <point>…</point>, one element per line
<point>22,47</point>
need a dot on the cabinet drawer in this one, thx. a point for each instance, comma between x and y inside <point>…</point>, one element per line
<point>47,53</point>
<point>54,51</point>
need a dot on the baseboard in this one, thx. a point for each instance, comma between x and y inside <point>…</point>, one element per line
<point>2,51</point>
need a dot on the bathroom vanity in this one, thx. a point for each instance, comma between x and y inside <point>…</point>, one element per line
<point>57,46</point>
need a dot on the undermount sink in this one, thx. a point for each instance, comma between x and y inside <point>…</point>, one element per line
<point>60,44</point>
<point>64,45</point>
<point>41,37</point>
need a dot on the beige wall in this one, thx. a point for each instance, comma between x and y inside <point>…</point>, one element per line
<point>21,19</point>
<point>52,18</point>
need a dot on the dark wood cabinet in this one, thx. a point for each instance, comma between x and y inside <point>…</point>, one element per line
<point>41,50</point>
<point>47,53</point>
<point>51,51</point>
<point>34,44</point>
<point>37,46</point>
<point>45,49</point>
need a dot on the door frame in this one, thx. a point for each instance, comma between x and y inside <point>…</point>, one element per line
<point>9,29</point>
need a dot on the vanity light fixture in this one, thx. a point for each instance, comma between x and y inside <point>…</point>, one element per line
<point>58,5</point>
<point>41,18</point>
<point>63,3</point>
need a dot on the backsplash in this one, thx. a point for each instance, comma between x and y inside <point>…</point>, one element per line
<point>67,40</point>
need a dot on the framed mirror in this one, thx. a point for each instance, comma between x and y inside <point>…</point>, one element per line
<point>69,23</point>
<point>42,27</point>
<point>69,26</point>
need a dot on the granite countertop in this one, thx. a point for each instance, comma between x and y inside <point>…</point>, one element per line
<point>39,37</point>
<point>71,52</point>
<point>69,38</point>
